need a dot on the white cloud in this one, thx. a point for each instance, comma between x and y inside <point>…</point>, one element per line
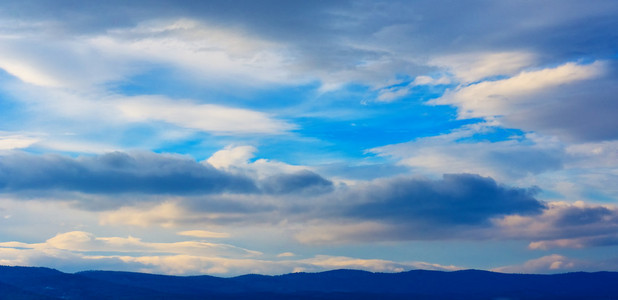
<point>166,214</point>
<point>374,265</point>
<point>44,59</point>
<point>232,156</point>
<point>461,152</point>
<point>208,51</point>
<point>211,118</point>
<point>9,141</point>
<point>77,251</point>
<point>86,242</point>
<point>237,159</point>
<point>471,67</point>
<point>488,99</point>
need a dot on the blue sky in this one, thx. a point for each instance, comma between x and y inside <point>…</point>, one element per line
<point>277,136</point>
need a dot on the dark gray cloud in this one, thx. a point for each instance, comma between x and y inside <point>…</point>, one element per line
<point>458,206</point>
<point>463,199</point>
<point>578,216</point>
<point>305,182</point>
<point>144,173</point>
<point>564,225</point>
<point>117,172</point>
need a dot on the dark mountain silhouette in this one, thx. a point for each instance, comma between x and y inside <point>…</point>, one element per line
<point>44,283</point>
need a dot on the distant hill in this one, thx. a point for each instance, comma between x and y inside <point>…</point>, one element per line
<point>44,283</point>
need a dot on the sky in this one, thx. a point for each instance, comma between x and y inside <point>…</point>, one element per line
<point>235,137</point>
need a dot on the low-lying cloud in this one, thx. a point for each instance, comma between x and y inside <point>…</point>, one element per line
<point>141,173</point>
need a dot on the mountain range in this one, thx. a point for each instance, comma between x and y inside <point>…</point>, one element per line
<point>44,283</point>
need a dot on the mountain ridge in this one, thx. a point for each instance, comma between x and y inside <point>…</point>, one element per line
<point>45,283</point>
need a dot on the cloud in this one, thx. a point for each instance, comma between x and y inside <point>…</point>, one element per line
<point>219,41</point>
<point>232,156</point>
<point>471,67</point>
<point>204,234</point>
<point>9,141</point>
<point>79,251</point>
<point>166,214</point>
<point>456,199</point>
<point>305,182</point>
<point>458,205</point>
<point>545,100</point>
<point>211,118</point>
<point>565,225</point>
<point>117,172</point>
<point>142,173</point>
<point>79,241</point>
<point>493,98</point>
<point>466,150</point>
<point>579,171</point>
<point>286,254</point>
<point>394,93</point>
<point>553,263</point>
<point>374,265</point>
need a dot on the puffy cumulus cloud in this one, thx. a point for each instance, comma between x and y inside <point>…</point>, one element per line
<point>458,205</point>
<point>466,150</point>
<point>117,172</point>
<point>232,156</point>
<point>455,199</point>
<point>211,118</point>
<point>239,159</point>
<point>142,173</point>
<point>274,177</point>
<point>565,225</point>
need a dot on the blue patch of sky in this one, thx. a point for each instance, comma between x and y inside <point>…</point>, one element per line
<point>168,82</point>
<point>545,194</point>
<point>11,110</point>
<point>372,124</point>
<point>199,145</point>
<point>598,196</point>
